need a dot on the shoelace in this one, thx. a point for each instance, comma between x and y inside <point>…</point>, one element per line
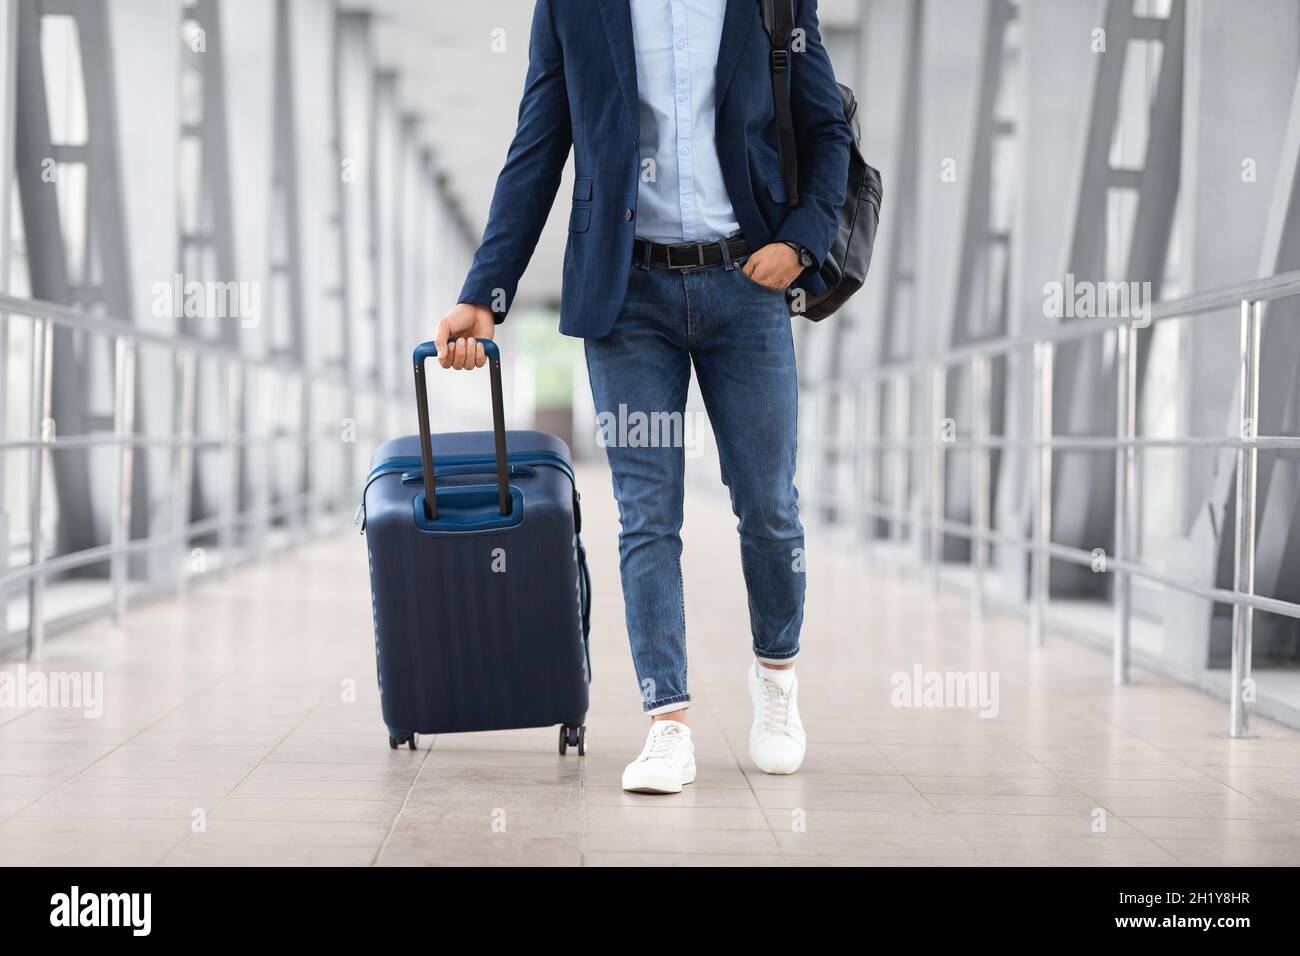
<point>664,743</point>
<point>776,707</point>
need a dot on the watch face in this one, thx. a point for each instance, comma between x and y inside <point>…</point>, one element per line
<point>805,259</point>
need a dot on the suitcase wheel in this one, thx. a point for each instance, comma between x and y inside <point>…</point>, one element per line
<point>571,736</point>
<point>411,741</point>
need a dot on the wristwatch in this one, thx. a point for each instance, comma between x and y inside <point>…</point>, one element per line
<point>805,257</point>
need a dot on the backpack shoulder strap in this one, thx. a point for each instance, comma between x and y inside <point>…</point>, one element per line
<point>778,20</point>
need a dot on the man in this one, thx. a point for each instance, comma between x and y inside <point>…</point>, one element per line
<point>681,244</point>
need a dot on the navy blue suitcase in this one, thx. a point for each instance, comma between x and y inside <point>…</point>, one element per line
<point>478,578</point>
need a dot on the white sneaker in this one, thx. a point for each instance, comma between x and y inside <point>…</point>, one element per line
<point>666,764</point>
<point>776,738</point>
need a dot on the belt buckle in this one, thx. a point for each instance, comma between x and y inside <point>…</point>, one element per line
<point>686,249</point>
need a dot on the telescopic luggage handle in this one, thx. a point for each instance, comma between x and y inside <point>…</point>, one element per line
<point>427,350</point>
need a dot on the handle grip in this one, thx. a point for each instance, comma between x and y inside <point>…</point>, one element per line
<point>428,350</point>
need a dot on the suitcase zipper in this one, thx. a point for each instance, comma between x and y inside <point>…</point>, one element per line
<point>460,471</point>
<point>520,457</point>
<point>543,459</point>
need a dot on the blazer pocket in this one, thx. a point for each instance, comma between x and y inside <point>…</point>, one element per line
<point>776,189</point>
<point>580,219</point>
<point>582,190</point>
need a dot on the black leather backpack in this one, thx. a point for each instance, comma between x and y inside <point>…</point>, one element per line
<point>845,268</point>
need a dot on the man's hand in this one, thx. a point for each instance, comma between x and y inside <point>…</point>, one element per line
<point>464,325</point>
<point>776,265</point>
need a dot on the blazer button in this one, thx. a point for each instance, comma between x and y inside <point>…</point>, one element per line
<point>627,215</point>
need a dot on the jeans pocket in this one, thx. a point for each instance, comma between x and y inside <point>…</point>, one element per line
<point>740,271</point>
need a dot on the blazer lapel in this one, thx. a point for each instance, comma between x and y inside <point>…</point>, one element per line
<point>617,17</point>
<point>739,19</point>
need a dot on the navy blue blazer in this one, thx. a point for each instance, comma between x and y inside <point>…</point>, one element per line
<point>581,92</point>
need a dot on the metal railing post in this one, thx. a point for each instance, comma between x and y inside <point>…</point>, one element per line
<point>902,425</point>
<point>42,396</point>
<point>981,402</point>
<point>124,435</point>
<point>234,434</point>
<point>1244,551</point>
<point>807,451</point>
<point>258,456</point>
<point>831,454</point>
<point>346,477</point>
<point>850,462</point>
<point>873,453</point>
<point>183,467</point>
<point>938,470</point>
<point>307,489</point>
<point>6,529</point>
<point>860,487</point>
<point>1125,496</point>
<point>1040,582</point>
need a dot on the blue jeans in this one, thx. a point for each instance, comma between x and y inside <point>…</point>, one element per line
<point>737,334</point>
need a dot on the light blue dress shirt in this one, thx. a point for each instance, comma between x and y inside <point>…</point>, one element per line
<point>681,196</point>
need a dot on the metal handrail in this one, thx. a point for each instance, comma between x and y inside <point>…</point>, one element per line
<point>102,439</point>
<point>1082,443</point>
<point>1083,558</point>
<point>1281,286</point>
<point>71,318</point>
<point>897,378</point>
<point>185,441</point>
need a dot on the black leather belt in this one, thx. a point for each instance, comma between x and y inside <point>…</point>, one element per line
<point>687,255</point>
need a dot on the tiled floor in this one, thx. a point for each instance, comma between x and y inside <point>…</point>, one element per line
<point>231,735</point>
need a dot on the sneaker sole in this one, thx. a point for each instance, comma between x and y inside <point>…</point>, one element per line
<point>779,773</point>
<point>661,790</point>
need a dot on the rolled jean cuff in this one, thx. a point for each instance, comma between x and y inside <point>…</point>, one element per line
<point>666,706</point>
<point>776,658</point>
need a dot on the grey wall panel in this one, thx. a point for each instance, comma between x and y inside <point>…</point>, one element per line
<point>1234,116</point>
<point>949,87</point>
<point>1057,76</point>
<point>879,79</point>
<point>312,37</point>
<point>248,50</point>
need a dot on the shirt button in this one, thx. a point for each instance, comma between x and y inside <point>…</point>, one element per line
<point>683,98</point>
<point>627,215</point>
<point>686,151</point>
<point>681,44</point>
